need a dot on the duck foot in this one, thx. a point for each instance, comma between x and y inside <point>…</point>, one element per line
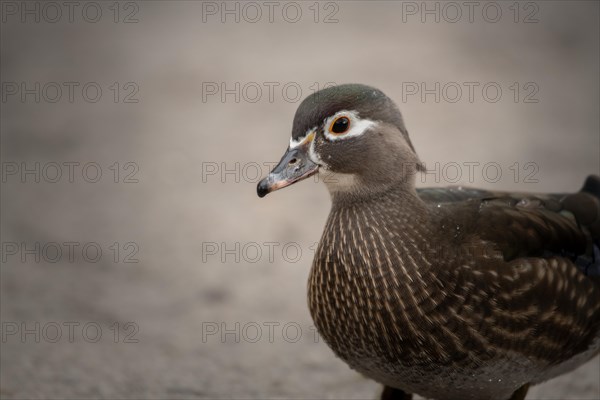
<point>390,393</point>
<point>520,393</point>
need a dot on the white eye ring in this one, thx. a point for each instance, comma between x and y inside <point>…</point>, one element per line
<point>357,126</point>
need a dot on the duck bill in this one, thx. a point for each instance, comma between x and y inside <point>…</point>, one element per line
<point>295,165</point>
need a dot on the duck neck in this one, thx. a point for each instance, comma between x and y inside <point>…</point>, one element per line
<point>347,189</point>
<point>394,223</point>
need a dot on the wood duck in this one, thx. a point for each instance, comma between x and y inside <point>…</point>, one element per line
<point>447,293</point>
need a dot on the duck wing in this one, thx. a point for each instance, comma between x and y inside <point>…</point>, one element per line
<point>534,290</point>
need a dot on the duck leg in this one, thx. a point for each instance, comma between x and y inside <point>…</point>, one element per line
<point>520,393</point>
<point>390,393</point>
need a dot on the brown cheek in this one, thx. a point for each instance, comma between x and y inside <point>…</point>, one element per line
<point>322,150</point>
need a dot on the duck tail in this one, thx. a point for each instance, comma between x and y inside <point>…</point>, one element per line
<point>592,185</point>
<point>592,212</point>
<point>585,205</point>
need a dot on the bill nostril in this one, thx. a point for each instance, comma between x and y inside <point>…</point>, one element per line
<point>293,161</point>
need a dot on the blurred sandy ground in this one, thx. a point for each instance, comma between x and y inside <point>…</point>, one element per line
<point>174,135</point>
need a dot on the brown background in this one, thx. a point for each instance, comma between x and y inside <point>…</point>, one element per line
<point>174,212</point>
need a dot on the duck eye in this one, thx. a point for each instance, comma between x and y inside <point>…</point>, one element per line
<point>340,125</point>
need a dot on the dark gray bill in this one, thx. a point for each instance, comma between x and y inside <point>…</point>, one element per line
<point>294,166</point>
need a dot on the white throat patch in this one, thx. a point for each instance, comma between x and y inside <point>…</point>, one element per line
<point>337,182</point>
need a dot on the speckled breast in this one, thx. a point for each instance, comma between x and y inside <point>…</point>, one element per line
<point>369,333</point>
<point>390,320</point>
